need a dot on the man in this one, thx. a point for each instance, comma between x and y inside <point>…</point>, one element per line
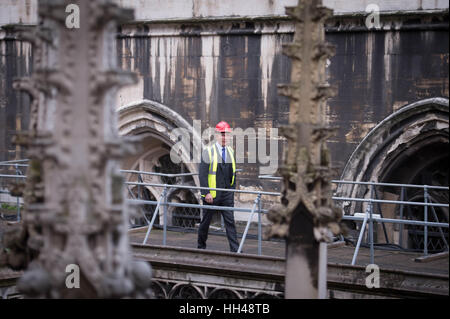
<point>218,170</point>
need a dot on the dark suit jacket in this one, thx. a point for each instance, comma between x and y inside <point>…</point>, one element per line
<point>224,175</point>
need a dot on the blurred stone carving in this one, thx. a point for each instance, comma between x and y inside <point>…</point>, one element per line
<point>306,215</point>
<point>75,212</point>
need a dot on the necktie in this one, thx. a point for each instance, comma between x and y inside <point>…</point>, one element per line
<point>223,154</point>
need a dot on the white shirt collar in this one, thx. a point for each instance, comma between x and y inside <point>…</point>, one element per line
<point>220,146</point>
<point>220,151</point>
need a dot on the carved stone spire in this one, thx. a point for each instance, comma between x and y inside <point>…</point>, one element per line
<point>306,215</point>
<point>74,198</point>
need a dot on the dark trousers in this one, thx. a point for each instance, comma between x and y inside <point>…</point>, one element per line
<point>228,219</point>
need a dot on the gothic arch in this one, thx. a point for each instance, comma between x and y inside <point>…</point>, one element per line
<point>159,290</point>
<point>399,137</point>
<point>155,123</point>
<point>151,119</point>
<point>224,293</point>
<point>410,147</point>
<point>186,291</point>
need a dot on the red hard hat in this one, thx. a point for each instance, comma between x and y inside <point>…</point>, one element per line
<point>223,127</point>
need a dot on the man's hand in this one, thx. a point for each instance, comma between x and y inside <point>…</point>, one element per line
<point>209,198</point>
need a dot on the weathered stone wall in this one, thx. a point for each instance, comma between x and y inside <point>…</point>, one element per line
<point>378,73</point>
<point>25,11</point>
<point>18,11</point>
<point>230,71</point>
<point>15,61</point>
<point>211,66</point>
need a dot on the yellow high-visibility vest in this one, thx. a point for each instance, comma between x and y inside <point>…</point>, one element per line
<point>212,182</point>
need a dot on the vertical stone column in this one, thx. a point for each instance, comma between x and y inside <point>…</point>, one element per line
<point>74,198</point>
<point>306,215</point>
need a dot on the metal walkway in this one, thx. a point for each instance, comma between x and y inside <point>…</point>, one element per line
<point>177,262</point>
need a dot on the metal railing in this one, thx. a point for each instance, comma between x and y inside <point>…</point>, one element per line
<point>367,220</point>
<point>162,201</point>
<point>370,218</point>
<point>18,175</point>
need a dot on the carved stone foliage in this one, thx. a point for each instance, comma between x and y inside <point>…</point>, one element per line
<point>306,215</point>
<point>306,168</point>
<point>75,212</point>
